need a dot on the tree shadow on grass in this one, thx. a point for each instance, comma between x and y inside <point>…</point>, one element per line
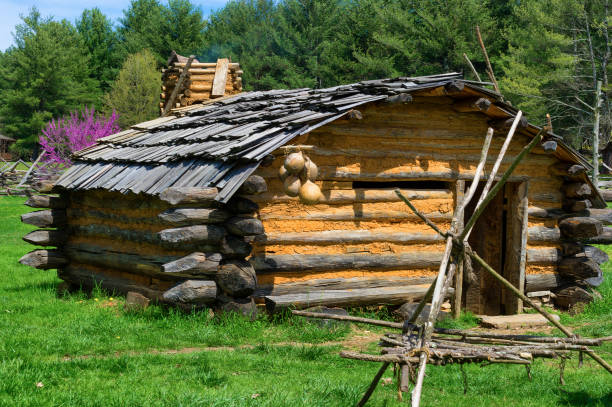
<point>582,398</point>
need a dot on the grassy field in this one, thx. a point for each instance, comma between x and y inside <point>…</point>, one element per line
<point>78,350</point>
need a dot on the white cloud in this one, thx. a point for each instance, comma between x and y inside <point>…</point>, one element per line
<point>70,10</point>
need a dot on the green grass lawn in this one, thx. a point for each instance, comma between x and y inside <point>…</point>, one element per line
<point>87,351</point>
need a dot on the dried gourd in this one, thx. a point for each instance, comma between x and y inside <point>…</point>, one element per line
<point>310,193</point>
<point>294,163</point>
<point>311,170</point>
<point>292,185</point>
<point>283,173</point>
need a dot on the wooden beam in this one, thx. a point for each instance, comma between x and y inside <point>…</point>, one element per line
<point>543,234</point>
<point>192,292</point>
<point>44,259</point>
<point>189,195</point>
<point>218,87</point>
<point>345,237</point>
<point>192,234</point>
<point>253,185</point>
<point>46,237</point>
<point>315,262</point>
<point>580,227</point>
<point>472,105</point>
<point>577,190</point>
<point>194,216</point>
<point>195,263</point>
<point>352,215</point>
<point>243,226</point>
<point>46,201</point>
<point>360,195</point>
<point>605,237</point>
<point>45,219</point>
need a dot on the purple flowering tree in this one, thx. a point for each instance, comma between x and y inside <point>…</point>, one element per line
<point>68,134</point>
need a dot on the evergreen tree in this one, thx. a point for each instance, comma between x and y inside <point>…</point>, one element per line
<point>44,75</point>
<point>102,42</point>
<point>134,96</point>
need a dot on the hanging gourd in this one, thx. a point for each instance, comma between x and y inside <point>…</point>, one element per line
<point>283,173</point>
<point>292,185</point>
<point>311,169</point>
<point>310,193</point>
<point>294,163</point>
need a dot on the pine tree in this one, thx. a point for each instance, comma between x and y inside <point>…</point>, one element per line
<point>44,75</point>
<point>134,96</point>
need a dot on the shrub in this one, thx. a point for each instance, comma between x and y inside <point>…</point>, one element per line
<point>66,135</point>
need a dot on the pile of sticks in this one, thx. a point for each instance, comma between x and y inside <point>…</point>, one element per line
<point>419,345</point>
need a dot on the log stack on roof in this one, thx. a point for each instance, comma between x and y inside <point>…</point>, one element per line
<point>203,80</point>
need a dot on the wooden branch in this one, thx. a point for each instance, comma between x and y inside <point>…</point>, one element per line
<point>46,237</point>
<point>470,223</point>
<point>195,263</point>
<point>314,262</point>
<point>45,219</point>
<point>44,259</point>
<point>189,195</point>
<point>528,301</point>
<point>486,58</point>
<point>469,63</point>
<point>194,216</point>
<point>419,214</point>
<point>46,201</point>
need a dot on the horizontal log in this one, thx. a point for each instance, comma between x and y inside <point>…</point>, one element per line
<point>322,284</point>
<point>232,65</point>
<point>348,298</point>
<point>543,234</point>
<point>352,214</point>
<point>576,205</point>
<point>195,263</point>
<point>240,205</point>
<point>535,212</point>
<point>602,215</point>
<point>192,292</point>
<point>192,234</point>
<point>189,195</point>
<point>542,282</point>
<point>235,247</point>
<point>345,237</point>
<point>194,216</point>
<point>89,279</point>
<point>472,105</point>
<point>606,194</point>
<point>570,296</point>
<point>116,233</point>
<point>577,190</point>
<point>595,254</point>
<point>323,262</point>
<point>104,257</point>
<point>579,267</point>
<point>46,237</point>
<point>348,196</point>
<point>45,219</point>
<point>605,237</point>
<point>44,259</point>
<point>580,227</point>
<point>543,257</point>
<point>243,226</point>
<point>570,171</point>
<point>335,174</point>
<point>46,201</point>
<point>253,185</point>
<point>43,186</point>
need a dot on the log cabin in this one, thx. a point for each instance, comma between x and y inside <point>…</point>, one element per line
<point>286,197</point>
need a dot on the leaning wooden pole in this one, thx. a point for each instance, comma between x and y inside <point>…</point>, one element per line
<point>486,58</point>
<point>442,273</point>
<point>177,86</point>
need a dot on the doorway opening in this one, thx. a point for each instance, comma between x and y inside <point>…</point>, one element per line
<point>499,237</point>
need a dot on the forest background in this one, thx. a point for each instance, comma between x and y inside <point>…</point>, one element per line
<point>547,55</point>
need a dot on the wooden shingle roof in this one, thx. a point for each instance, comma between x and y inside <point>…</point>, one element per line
<point>220,144</point>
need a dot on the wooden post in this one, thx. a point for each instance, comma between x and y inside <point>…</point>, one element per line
<point>177,87</point>
<point>596,135</point>
<point>459,196</point>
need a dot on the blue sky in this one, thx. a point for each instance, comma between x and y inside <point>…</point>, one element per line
<point>12,9</point>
